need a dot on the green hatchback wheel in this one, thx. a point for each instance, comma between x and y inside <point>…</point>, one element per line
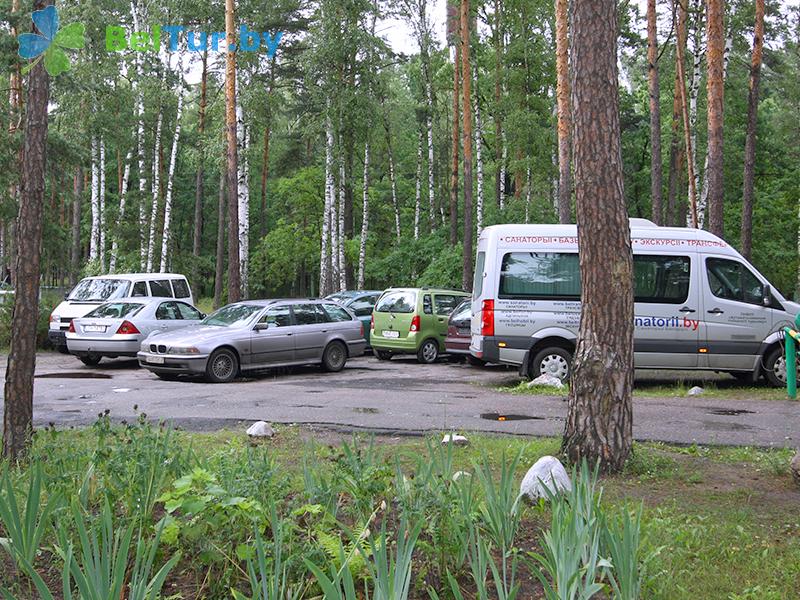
<point>428,352</point>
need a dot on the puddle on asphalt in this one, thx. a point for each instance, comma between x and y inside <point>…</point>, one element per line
<point>365,410</point>
<point>74,375</point>
<point>730,412</point>
<point>504,417</point>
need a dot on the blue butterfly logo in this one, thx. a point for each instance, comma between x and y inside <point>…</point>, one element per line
<point>50,41</point>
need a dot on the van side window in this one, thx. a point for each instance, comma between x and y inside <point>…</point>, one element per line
<point>661,279</point>
<point>139,289</point>
<point>540,276</point>
<point>181,288</point>
<point>427,306</point>
<point>160,288</point>
<point>731,280</point>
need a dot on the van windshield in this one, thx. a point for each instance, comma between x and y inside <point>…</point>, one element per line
<point>397,302</point>
<point>99,290</point>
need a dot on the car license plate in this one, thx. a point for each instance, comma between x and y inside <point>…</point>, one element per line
<point>98,328</point>
<point>391,334</point>
<point>156,360</point>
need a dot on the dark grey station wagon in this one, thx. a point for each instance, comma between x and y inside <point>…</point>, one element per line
<point>257,334</point>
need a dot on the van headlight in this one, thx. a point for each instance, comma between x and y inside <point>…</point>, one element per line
<point>183,350</point>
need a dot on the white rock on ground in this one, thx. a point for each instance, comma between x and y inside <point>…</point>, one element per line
<point>795,467</point>
<point>260,429</point>
<point>547,380</point>
<point>547,472</point>
<point>455,439</point>
<point>695,391</point>
<point>459,474</point>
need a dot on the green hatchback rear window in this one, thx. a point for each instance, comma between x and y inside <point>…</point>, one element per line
<point>398,302</point>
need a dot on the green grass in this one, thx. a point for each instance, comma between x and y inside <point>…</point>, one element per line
<point>715,530</point>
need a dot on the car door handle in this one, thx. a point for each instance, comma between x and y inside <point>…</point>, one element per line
<point>716,311</point>
<point>686,309</point>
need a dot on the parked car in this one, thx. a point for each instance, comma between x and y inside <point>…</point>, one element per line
<point>117,328</point>
<point>413,321</point>
<point>361,303</point>
<point>257,334</point>
<point>698,304</point>
<point>458,333</point>
<point>91,292</point>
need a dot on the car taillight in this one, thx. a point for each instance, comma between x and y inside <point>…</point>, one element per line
<point>71,327</point>
<point>127,328</point>
<point>487,318</point>
<point>415,323</point>
<point>372,321</point>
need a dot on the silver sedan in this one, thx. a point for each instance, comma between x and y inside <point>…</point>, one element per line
<point>117,328</point>
<point>257,334</point>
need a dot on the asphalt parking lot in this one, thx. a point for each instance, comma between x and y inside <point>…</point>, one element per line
<point>399,396</point>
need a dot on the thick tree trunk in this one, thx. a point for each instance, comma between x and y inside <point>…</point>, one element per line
<point>466,80</point>
<point>220,258</point>
<point>362,251</point>
<point>599,419</point>
<point>77,199</point>
<point>655,113</point>
<point>232,159</point>
<point>199,183</point>
<point>18,391</point>
<point>173,159</point>
<point>564,113</point>
<point>750,140</point>
<point>454,152</point>
<point>716,89</point>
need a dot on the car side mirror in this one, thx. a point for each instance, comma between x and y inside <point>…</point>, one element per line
<point>203,315</point>
<point>66,295</point>
<point>766,296</point>
<point>261,326</point>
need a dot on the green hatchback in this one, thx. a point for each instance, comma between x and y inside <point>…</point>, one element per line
<point>412,321</point>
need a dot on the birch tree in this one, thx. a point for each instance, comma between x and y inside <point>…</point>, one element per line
<point>466,80</point>
<point>155,191</point>
<point>173,159</point>
<point>325,250</point>
<point>362,250</point>
<point>102,206</point>
<point>418,187</point>
<point>123,195</point>
<point>478,155</point>
<point>243,199</point>
<point>94,235</point>
<point>655,112</point>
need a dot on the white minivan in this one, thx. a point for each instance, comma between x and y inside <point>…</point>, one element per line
<point>698,303</point>
<point>91,292</point>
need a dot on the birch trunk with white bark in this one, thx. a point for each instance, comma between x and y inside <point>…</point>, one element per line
<point>173,158</point>
<point>362,251</point>
<point>94,235</point>
<point>694,90</point>
<point>102,207</point>
<point>243,178</point>
<point>478,158</point>
<point>418,192</point>
<point>392,177</point>
<point>341,266</point>
<point>155,189</point>
<point>324,256</point>
<point>123,194</point>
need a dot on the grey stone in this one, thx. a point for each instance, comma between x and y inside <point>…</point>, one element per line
<point>547,380</point>
<point>546,473</point>
<point>260,429</point>
<point>696,391</point>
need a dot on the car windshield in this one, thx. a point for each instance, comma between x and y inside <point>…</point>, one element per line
<point>233,315</point>
<point>398,302</point>
<point>116,310</point>
<point>98,290</point>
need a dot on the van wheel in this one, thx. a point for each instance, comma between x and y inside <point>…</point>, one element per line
<point>383,355</point>
<point>91,360</point>
<point>222,366</point>
<point>775,367</point>
<point>428,352</point>
<point>553,361</point>
<point>334,357</point>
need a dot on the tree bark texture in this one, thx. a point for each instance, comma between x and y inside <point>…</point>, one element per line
<point>564,113</point>
<point>454,148</point>
<point>466,80</point>
<point>655,114</point>
<point>232,159</point>
<point>199,184</point>
<point>715,49</point>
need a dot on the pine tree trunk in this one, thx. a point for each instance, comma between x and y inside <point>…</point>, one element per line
<point>199,192</point>
<point>243,201</point>
<point>456,139</point>
<point>564,113</point>
<point>750,140</point>
<point>362,251</point>
<point>655,113</point>
<point>676,148</point>
<point>123,195</point>
<point>94,235</point>
<point>716,88</point>
<point>418,192</point>
<point>173,158</point>
<point>687,136</point>
<point>220,258</point>
<point>232,159</point>
<point>77,199</point>
<point>599,419</point>
<point>478,156</point>
<point>466,80</point>
<point>18,391</point>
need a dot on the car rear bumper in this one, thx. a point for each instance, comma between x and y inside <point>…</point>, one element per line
<point>173,364</point>
<point>100,347</point>
<point>457,345</point>
<point>356,348</point>
<point>407,344</point>
<point>57,337</point>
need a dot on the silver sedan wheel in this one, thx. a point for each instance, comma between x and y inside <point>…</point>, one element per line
<point>222,366</point>
<point>555,365</point>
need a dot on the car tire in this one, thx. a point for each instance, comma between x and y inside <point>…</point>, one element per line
<point>334,358</point>
<point>382,354</point>
<point>428,352</point>
<point>90,360</point>
<point>555,361</point>
<point>222,366</point>
<point>167,376</point>
<point>62,349</point>
<point>775,367</point>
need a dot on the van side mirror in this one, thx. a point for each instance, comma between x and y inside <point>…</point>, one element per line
<point>766,295</point>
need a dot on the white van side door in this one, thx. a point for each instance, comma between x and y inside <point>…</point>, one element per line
<point>666,310</point>
<point>736,319</point>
